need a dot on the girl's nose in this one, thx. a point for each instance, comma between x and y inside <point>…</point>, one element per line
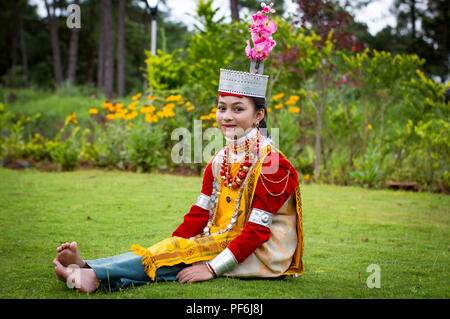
<point>227,115</point>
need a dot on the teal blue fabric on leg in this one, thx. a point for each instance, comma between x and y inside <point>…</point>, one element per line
<point>124,270</point>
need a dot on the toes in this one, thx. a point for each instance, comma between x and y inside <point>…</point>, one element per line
<point>73,246</point>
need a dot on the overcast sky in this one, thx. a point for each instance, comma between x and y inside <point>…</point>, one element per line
<point>376,15</point>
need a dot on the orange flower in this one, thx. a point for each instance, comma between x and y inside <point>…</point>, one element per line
<point>135,97</point>
<point>307,177</point>
<point>278,96</point>
<point>148,109</point>
<point>93,111</point>
<point>72,118</point>
<point>151,118</point>
<point>110,117</point>
<point>278,106</point>
<point>294,109</point>
<point>107,105</point>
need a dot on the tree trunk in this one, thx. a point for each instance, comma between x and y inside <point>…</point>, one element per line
<point>318,146</point>
<point>23,47</point>
<point>109,49</point>
<point>234,5</point>
<point>412,7</point>
<point>57,66</point>
<point>121,50</point>
<point>13,53</point>
<point>445,26</point>
<point>101,49</point>
<point>73,54</point>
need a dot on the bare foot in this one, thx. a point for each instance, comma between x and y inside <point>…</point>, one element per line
<point>67,254</point>
<point>85,280</point>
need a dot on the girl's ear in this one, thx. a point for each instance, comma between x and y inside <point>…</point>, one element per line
<point>260,115</point>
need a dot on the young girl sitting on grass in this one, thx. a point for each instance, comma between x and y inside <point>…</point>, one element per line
<point>246,222</point>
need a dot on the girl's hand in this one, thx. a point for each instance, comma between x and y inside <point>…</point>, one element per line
<point>198,272</point>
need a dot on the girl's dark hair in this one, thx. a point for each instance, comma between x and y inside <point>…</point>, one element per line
<point>260,103</point>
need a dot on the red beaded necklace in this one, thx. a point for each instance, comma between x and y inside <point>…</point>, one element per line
<point>225,168</point>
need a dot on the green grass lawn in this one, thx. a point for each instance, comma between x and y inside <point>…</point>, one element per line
<point>346,230</point>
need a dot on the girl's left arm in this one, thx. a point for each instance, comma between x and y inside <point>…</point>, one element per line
<point>269,197</point>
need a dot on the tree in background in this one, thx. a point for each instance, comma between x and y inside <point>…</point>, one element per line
<point>430,41</point>
<point>73,53</point>
<point>53,25</point>
<point>121,49</point>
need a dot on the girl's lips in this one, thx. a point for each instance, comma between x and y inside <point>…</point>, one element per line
<point>228,126</point>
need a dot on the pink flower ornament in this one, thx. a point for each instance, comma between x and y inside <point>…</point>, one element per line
<point>261,34</point>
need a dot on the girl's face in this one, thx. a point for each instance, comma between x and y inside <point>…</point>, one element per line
<point>235,116</point>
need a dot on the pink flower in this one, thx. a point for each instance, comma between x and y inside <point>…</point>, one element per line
<point>267,9</point>
<point>272,26</point>
<point>261,34</point>
<point>259,18</point>
<point>251,54</point>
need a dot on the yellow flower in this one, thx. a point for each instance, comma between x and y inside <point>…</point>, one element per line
<point>292,99</point>
<point>278,96</point>
<point>107,105</point>
<point>187,103</point>
<point>160,114</point>
<point>369,127</point>
<point>133,105</point>
<point>173,98</point>
<point>169,112</point>
<point>93,111</point>
<point>122,111</point>
<point>119,105</point>
<point>190,108</point>
<point>212,116</point>
<point>180,102</point>
<point>148,109</point>
<point>278,106</point>
<point>131,115</point>
<point>130,124</point>
<point>215,124</point>
<point>307,177</point>
<point>269,110</point>
<point>72,118</point>
<point>204,117</point>
<point>151,118</point>
<point>120,115</point>
<point>170,105</point>
<point>110,117</point>
<point>294,109</point>
<point>150,97</point>
<point>135,97</point>
<point>214,110</point>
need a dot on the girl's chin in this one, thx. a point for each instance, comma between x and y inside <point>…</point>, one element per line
<point>232,132</point>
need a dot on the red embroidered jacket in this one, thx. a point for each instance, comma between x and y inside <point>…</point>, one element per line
<point>253,235</point>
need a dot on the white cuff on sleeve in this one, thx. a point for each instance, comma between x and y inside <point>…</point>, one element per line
<point>261,217</point>
<point>203,201</point>
<point>223,262</point>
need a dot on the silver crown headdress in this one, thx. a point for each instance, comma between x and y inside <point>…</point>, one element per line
<point>253,83</point>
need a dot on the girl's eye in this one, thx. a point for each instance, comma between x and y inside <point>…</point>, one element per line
<point>238,109</point>
<point>221,108</point>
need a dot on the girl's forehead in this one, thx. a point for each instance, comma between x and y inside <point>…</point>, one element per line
<point>229,100</point>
